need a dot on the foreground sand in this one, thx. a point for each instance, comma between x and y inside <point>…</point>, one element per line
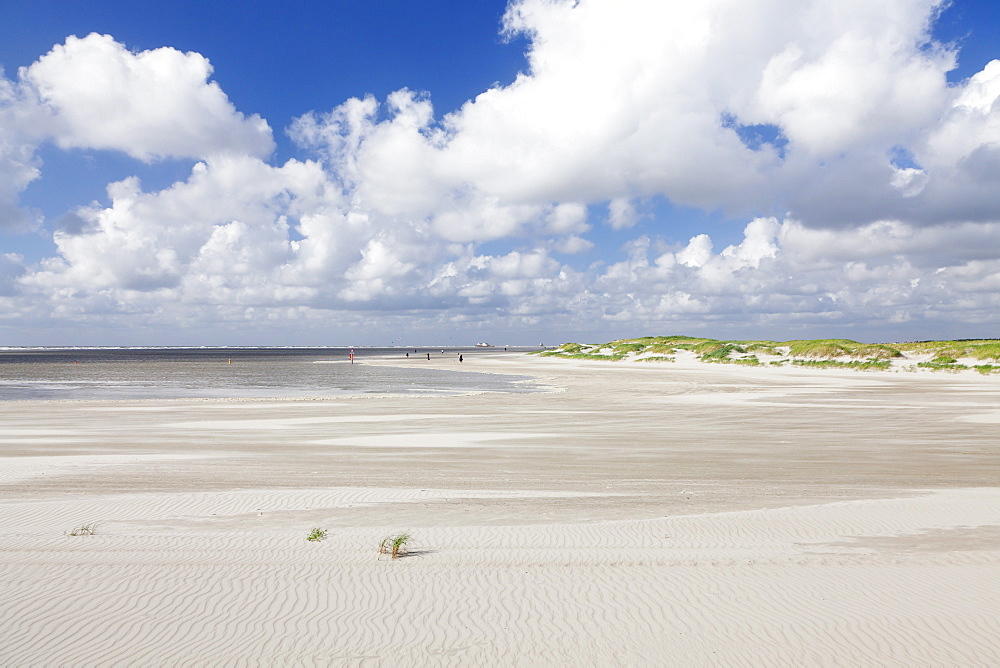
<point>676,514</point>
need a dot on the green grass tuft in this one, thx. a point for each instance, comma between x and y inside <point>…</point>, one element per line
<point>394,545</point>
<point>316,535</point>
<point>84,530</point>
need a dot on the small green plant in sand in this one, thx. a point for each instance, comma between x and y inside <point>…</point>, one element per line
<point>394,545</point>
<point>316,535</point>
<point>84,530</point>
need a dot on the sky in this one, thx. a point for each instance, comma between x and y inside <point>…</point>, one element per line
<point>524,172</point>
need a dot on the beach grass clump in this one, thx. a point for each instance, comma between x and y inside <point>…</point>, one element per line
<point>317,535</point>
<point>564,349</point>
<point>943,359</point>
<point>952,349</point>
<point>867,365</point>
<point>614,357</point>
<point>986,369</point>
<point>625,348</point>
<point>718,351</point>
<point>603,352</point>
<point>986,351</point>
<point>663,340</point>
<point>644,340</point>
<point>658,358</point>
<point>706,346</point>
<point>83,530</point>
<point>822,348</point>
<point>394,545</point>
<point>677,339</point>
<point>921,346</point>
<point>941,366</point>
<point>723,356</point>
<point>750,360</point>
<point>876,352</point>
<point>763,348</point>
<point>980,349</point>
<point>686,342</point>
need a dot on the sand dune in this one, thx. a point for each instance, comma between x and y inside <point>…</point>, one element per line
<point>638,516</point>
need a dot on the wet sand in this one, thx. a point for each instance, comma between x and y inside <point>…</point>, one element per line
<point>634,514</point>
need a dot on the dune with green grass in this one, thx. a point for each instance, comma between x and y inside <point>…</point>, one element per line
<point>981,355</point>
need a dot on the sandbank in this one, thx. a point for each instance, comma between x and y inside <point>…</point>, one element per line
<point>631,514</point>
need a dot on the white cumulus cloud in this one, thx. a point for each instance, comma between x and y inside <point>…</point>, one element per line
<point>152,104</point>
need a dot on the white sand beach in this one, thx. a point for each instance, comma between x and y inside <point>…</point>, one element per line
<point>675,514</point>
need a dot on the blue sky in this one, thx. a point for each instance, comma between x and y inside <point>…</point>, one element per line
<point>368,172</point>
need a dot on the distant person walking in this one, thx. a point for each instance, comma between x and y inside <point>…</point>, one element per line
<point>428,357</point>
<point>460,357</point>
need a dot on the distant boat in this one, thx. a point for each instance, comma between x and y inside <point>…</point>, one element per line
<point>484,345</point>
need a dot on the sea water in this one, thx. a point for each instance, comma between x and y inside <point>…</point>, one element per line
<point>174,373</point>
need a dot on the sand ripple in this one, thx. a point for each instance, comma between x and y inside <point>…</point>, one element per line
<point>837,583</point>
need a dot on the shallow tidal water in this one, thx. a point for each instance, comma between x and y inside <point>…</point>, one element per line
<point>174,373</point>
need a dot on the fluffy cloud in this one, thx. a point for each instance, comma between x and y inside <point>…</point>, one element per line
<point>92,93</point>
<point>226,224</point>
<point>836,114</point>
<point>785,277</point>
<point>777,104</point>
<point>150,105</point>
